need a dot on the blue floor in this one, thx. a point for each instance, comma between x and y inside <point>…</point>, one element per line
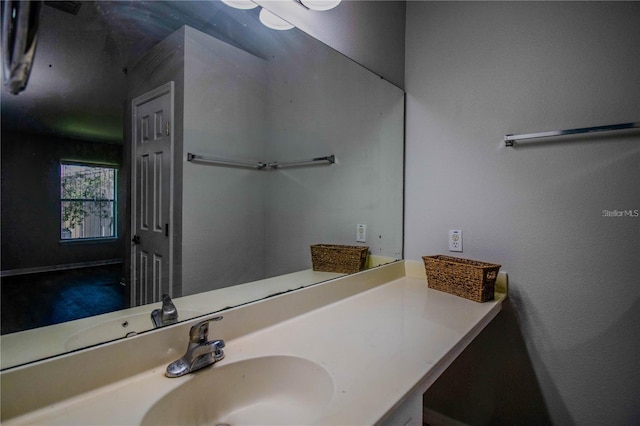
<point>36,300</point>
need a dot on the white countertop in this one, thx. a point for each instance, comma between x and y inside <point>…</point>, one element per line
<point>378,345</point>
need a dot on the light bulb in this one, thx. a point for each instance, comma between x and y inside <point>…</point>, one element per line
<point>274,22</point>
<point>320,4</point>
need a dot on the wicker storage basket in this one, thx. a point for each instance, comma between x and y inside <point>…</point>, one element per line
<point>466,278</point>
<point>337,258</point>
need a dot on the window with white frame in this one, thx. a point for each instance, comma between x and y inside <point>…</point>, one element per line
<point>87,201</point>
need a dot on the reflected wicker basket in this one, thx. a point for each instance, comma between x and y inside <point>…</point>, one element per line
<point>471,279</point>
<point>338,258</point>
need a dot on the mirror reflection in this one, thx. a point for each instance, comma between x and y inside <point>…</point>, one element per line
<point>109,195</point>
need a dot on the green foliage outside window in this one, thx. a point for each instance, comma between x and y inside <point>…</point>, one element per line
<point>87,195</point>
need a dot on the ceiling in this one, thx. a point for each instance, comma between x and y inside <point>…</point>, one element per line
<point>77,86</point>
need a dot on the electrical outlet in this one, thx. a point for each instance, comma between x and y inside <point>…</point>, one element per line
<point>455,240</point>
<point>361,233</point>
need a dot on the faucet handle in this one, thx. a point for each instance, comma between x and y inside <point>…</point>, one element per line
<point>166,315</point>
<point>199,332</point>
<point>169,311</point>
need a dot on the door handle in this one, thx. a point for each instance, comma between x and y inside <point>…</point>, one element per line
<point>136,239</point>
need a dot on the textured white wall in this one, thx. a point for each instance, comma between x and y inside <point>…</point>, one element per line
<point>476,71</point>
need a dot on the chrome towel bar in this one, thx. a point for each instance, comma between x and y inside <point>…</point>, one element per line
<point>260,165</point>
<point>222,162</point>
<point>329,158</point>
<point>509,139</point>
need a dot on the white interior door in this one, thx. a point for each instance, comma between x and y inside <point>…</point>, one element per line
<point>152,190</point>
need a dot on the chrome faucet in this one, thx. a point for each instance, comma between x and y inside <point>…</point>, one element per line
<point>200,352</point>
<point>166,315</point>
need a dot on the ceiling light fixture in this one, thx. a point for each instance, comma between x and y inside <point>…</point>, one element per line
<point>274,22</point>
<point>318,4</point>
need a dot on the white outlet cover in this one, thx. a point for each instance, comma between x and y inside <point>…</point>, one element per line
<point>361,233</point>
<point>455,240</point>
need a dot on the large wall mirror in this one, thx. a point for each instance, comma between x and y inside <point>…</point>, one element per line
<point>213,85</point>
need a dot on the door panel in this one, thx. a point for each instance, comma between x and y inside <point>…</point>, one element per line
<point>151,270</point>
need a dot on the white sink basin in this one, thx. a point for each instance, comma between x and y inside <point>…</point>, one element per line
<point>271,390</point>
<point>117,328</point>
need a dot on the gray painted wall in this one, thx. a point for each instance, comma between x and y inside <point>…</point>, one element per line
<point>475,72</point>
<point>321,103</point>
<point>223,207</point>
